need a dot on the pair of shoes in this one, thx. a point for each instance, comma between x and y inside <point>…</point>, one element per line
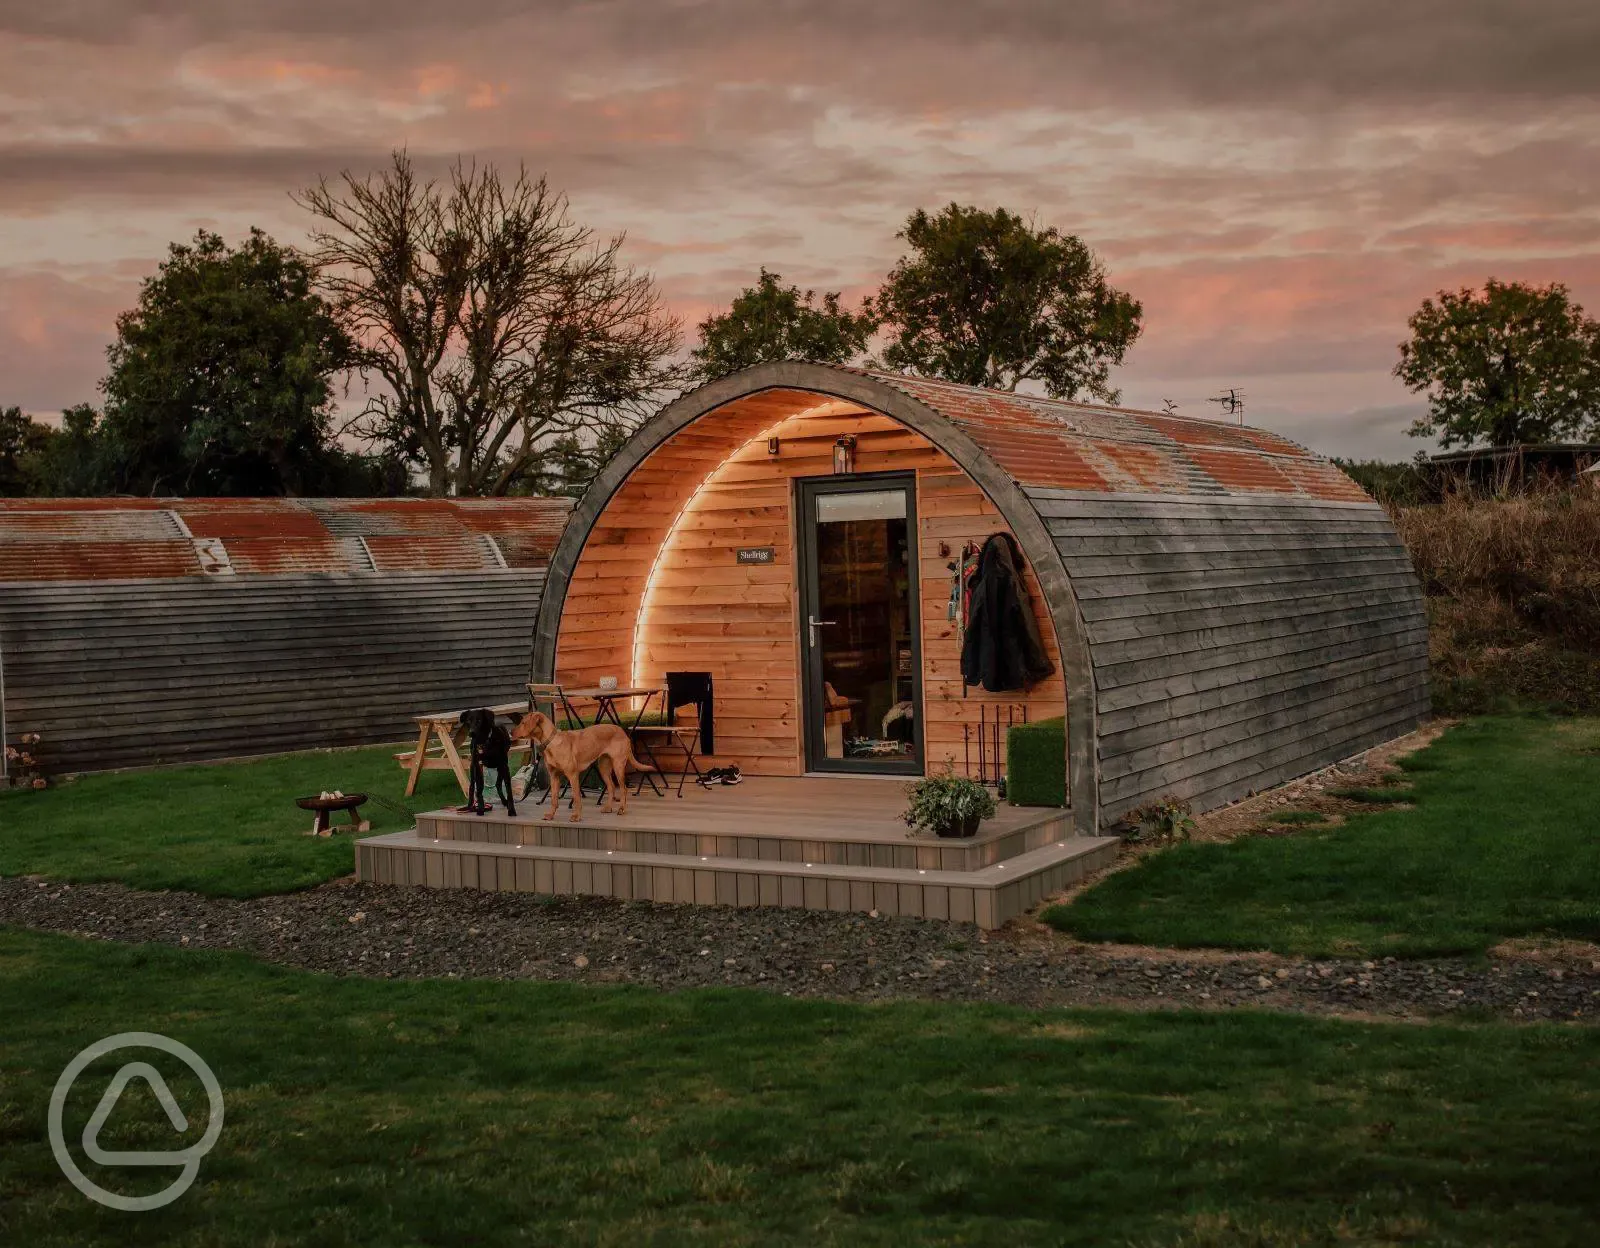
<point>721,775</point>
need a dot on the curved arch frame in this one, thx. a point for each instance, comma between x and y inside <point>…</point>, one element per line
<point>883,397</point>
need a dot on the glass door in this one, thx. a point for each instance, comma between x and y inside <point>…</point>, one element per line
<point>859,624</point>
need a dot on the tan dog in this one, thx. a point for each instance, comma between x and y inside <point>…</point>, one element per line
<point>570,754</point>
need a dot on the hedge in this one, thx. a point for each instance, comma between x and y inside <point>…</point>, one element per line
<point>1036,763</point>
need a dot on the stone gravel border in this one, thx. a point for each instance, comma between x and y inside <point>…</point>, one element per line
<point>382,932</point>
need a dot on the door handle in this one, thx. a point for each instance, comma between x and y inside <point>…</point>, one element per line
<point>813,624</point>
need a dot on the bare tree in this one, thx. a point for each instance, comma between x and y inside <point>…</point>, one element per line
<point>497,324</point>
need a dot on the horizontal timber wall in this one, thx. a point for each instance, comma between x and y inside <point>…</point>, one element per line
<point>1238,642</point>
<point>129,673</point>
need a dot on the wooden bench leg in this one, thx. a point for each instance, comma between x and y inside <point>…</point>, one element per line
<point>456,765</point>
<point>416,761</point>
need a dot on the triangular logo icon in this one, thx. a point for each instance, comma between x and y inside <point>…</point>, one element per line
<point>108,1102</point>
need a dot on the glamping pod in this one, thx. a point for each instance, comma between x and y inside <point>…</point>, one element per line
<point>1224,610</point>
<point>806,555</point>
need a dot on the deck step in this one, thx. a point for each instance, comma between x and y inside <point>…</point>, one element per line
<point>989,895</point>
<point>649,832</point>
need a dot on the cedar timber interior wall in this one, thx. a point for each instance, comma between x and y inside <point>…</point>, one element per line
<point>657,588</point>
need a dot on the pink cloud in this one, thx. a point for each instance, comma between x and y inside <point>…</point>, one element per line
<point>54,329</point>
<point>1279,221</point>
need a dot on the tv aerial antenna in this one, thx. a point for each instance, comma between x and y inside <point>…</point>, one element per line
<point>1169,407</point>
<point>1231,401</point>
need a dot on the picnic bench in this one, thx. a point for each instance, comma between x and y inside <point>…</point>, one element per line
<point>440,733</point>
<point>439,740</point>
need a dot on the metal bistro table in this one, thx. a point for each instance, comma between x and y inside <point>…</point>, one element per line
<point>605,701</point>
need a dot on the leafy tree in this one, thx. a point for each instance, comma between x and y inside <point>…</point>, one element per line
<point>1403,484</point>
<point>496,324</point>
<point>569,463</point>
<point>221,376</point>
<point>71,463</point>
<point>22,445</point>
<point>1513,364</point>
<point>988,299</point>
<point>770,321</point>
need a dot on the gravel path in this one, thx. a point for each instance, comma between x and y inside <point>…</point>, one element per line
<point>362,929</point>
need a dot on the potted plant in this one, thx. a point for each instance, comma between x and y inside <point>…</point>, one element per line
<point>950,805</point>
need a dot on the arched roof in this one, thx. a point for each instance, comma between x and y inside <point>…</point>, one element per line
<point>1149,533</point>
<point>104,539</point>
<point>1077,446</point>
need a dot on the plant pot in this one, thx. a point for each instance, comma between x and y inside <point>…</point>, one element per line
<point>968,827</point>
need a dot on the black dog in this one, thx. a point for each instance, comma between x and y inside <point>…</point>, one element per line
<point>491,747</point>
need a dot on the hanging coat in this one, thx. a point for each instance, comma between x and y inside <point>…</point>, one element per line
<point>1003,649</point>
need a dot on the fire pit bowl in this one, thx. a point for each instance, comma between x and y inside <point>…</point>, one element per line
<point>326,803</point>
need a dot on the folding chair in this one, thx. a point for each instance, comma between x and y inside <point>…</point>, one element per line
<point>684,689</point>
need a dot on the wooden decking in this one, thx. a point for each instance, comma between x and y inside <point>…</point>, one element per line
<point>813,842</point>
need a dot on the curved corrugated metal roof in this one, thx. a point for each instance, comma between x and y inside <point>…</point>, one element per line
<point>76,539</point>
<point>1055,444</point>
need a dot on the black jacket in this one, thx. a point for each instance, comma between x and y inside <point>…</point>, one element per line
<point>1003,649</point>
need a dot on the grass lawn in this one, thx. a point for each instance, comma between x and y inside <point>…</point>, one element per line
<point>1500,842</point>
<point>446,1112</point>
<point>226,829</point>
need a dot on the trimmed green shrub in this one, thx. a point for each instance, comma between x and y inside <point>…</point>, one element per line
<point>586,719</point>
<point>1036,763</point>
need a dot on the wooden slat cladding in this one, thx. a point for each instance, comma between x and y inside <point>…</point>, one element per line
<point>953,510</point>
<point>129,673</point>
<point>675,526</point>
<point>1238,642</point>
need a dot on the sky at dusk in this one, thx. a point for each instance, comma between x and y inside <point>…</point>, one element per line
<point>1280,183</point>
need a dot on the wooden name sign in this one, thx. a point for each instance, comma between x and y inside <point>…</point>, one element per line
<point>754,554</point>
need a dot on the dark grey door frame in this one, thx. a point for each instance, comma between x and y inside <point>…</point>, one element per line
<point>812,700</point>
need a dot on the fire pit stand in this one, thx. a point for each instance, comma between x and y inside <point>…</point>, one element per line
<point>325,806</point>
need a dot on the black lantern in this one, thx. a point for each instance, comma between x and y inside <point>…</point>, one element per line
<point>844,454</point>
